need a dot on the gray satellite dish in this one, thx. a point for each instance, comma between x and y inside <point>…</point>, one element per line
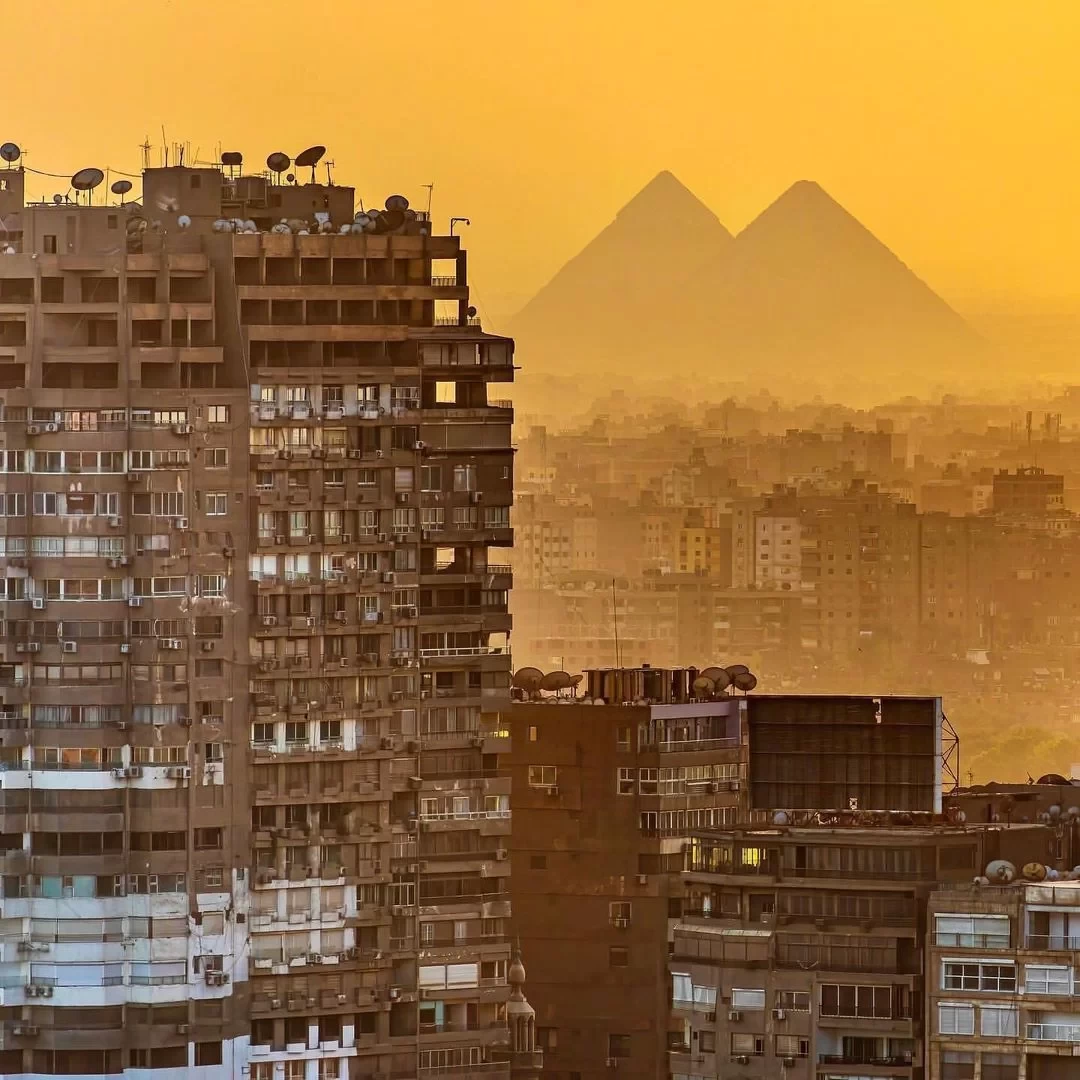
<point>736,669</point>
<point>10,152</point>
<point>58,198</point>
<point>721,679</point>
<point>120,187</point>
<point>703,685</point>
<point>555,680</point>
<point>745,681</point>
<point>86,180</point>
<point>278,162</point>
<point>309,158</point>
<point>527,679</point>
<point>397,202</point>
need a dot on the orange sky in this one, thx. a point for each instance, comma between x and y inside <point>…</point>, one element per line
<point>948,128</point>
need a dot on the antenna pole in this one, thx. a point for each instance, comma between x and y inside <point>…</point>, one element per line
<point>615,622</point>
<point>430,191</point>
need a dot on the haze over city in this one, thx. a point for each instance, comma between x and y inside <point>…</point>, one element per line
<point>539,541</point>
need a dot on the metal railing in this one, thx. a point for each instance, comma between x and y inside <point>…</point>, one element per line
<point>1048,942</point>
<point>977,941</point>
<point>1053,1033</point>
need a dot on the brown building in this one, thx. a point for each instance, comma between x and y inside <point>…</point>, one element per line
<point>276,445</point>
<point>1029,490</point>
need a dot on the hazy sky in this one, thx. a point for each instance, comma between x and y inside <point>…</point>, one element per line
<point>947,126</point>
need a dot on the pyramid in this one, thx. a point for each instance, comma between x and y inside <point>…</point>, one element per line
<point>595,310</point>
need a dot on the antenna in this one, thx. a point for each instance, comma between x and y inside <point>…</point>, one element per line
<point>329,178</point>
<point>146,148</point>
<point>430,191</point>
<point>615,622</point>
<point>309,158</point>
<point>455,220</point>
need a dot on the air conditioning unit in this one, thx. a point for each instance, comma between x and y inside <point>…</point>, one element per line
<point>135,601</point>
<point>269,620</point>
<point>170,643</point>
<point>410,611</point>
<point>207,646</point>
<point>643,879</point>
<point>183,1029</point>
<point>356,454</point>
<point>181,523</point>
<point>419,445</point>
<point>38,603</point>
<point>346,538</point>
<point>133,772</point>
<point>179,772</point>
<point>788,1062</point>
<point>387,742</point>
<point>71,646</point>
<point>228,551</point>
<point>184,721</point>
<point>779,1014</point>
<point>39,990</point>
<point>341,616</point>
<point>134,477</point>
<point>216,978</point>
<point>501,854</point>
<point>182,429</point>
<point>24,1030</point>
<point>33,429</point>
<point>279,540</point>
<point>119,774</point>
<point>316,451</point>
<point>115,522</point>
<point>734,1016</point>
<point>476,496</point>
<point>403,496</point>
<point>125,647</point>
<point>309,622</point>
<point>20,646</point>
<point>743,1059</point>
<point>121,725</point>
<point>51,429</point>
<point>33,646</point>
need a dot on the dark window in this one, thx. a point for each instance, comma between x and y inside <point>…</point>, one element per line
<point>618,1046</point>
<point>208,1053</point>
<point>196,182</point>
<point>618,956</point>
<point>50,245</point>
<point>537,862</point>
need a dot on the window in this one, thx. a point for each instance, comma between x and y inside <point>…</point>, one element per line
<point>1047,979</point>
<point>622,740</point>
<point>618,956</point>
<point>537,862</point>
<point>208,1053</point>
<point>980,975</point>
<point>618,1046</point>
<point>542,776</point>
<point>647,782</point>
<point>792,1046</point>
<point>619,912</point>
<point>956,1019</point>
<point>50,244</point>
<point>216,457</point>
<point>972,931</point>
<point>625,782</point>
<point>838,999</point>
<point>217,414</point>
<point>998,1020</point>
<point>216,503</point>
<point>747,1045</point>
<point>793,1000</point>
<point>464,477</point>
<point>748,999</point>
<point>707,1041</point>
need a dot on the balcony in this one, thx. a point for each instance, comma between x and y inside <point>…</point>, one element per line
<point>1054,1033</point>
<point>903,1061</point>
<point>1041,942</point>
<point>993,941</point>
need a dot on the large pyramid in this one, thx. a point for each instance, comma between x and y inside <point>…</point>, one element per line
<point>803,291</point>
<point>597,308</point>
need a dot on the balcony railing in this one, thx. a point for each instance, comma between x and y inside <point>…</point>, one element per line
<point>1054,1033</point>
<point>903,1060</point>
<point>1046,942</point>
<point>677,746</point>
<point>977,941</point>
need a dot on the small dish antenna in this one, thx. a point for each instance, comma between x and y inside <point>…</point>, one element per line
<point>703,685</point>
<point>278,162</point>
<point>556,681</point>
<point>10,152</point>
<point>745,681</point>
<point>86,180</point>
<point>290,178</point>
<point>58,199</point>
<point>121,188</point>
<point>397,202</point>
<point>309,158</point>
<point>721,680</point>
<point>527,679</point>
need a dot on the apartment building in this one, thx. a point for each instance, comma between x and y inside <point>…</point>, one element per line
<point>124,682</point>
<point>274,715</point>
<point>1001,972</point>
<point>617,795</point>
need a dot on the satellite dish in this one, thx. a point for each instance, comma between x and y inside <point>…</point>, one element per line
<point>736,669</point>
<point>528,679</point>
<point>10,152</point>
<point>58,198</point>
<point>471,312</point>
<point>120,187</point>
<point>87,179</point>
<point>745,681</point>
<point>389,221</point>
<point>1033,871</point>
<point>290,178</point>
<point>721,679</point>
<point>576,679</point>
<point>309,158</point>
<point>555,680</point>
<point>183,221</point>
<point>703,685</point>
<point>278,162</point>
<point>397,202</point>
